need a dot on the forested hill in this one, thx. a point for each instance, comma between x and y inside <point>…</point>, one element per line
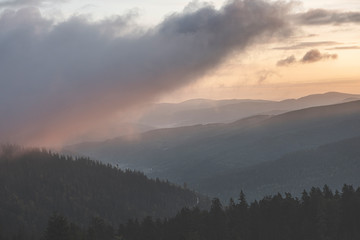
<point>36,183</point>
<point>333,164</point>
<point>201,153</point>
<point>318,214</point>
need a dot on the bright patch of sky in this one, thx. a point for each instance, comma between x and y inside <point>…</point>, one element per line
<point>332,4</point>
<point>153,11</point>
<point>149,12</point>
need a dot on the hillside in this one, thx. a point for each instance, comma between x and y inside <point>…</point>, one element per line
<point>332,164</point>
<point>204,111</point>
<point>193,154</point>
<point>318,214</point>
<point>36,183</point>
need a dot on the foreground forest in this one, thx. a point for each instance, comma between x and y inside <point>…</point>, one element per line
<point>35,183</point>
<point>318,214</point>
<point>47,196</point>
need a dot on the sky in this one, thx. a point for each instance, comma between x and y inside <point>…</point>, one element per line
<point>69,67</point>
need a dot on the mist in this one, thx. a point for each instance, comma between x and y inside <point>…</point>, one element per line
<point>59,80</point>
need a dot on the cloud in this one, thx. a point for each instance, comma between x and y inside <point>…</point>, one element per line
<point>59,80</point>
<point>324,17</point>
<point>314,55</point>
<point>344,48</point>
<point>311,56</point>
<point>287,61</point>
<point>263,75</point>
<point>303,45</point>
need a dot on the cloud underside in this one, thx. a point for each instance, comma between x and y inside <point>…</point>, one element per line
<point>58,80</point>
<point>311,56</point>
<point>287,61</point>
<point>315,56</point>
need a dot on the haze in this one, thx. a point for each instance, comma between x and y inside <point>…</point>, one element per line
<point>69,67</point>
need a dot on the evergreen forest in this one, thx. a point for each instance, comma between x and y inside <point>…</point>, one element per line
<point>36,183</point>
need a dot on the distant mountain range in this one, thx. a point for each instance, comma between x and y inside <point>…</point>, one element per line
<point>204,111</point>
<point>203,155</point>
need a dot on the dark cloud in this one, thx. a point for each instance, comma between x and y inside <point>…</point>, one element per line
<point>57,80</point>
<point>287,61</point>
<point>314,55</point>
<point>303,45</point>
<point>324,17</point>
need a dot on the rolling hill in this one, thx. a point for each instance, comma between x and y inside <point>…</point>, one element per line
<point>333,164</point>
<point>196,153</point>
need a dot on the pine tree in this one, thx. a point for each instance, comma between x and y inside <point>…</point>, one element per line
<point>242,201</point>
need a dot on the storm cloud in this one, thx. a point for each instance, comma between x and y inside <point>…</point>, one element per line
<point>324,17</point>
<point>58,80</point>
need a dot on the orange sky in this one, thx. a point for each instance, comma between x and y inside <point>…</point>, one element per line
<point>240,76</point>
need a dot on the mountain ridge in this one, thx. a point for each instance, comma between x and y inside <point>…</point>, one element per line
<point>204,111</point>
<point>192,154</point>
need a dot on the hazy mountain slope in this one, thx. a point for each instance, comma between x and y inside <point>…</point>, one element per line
<point>203,111</point>
<point>332,164</point>
<point>190,112</point>
<point>35,183</point>
<point>165,150</point>
<point>111,131</point>
<point>190,154</point>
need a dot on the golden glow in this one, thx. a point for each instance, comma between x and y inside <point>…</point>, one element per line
<point>255,74</point>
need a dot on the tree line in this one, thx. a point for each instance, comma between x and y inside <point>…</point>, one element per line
<point>319,214</point>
